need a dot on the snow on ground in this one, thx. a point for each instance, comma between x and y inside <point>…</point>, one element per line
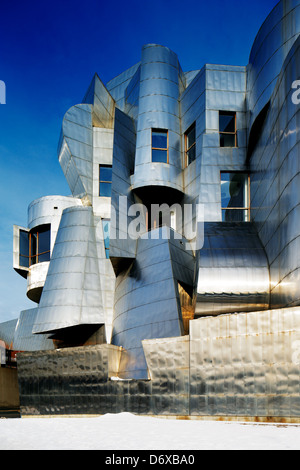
<point>125,431</point>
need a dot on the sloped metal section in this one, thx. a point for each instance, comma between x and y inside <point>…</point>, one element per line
<point>103,104</point>
<point>122,246</point>
<point>75,153</point>
<point>75,150</point>
<point>233,270</point>
<point>7,331</point>
<point>72,292</point>
<point>147,303</point>
<point>24,340</point>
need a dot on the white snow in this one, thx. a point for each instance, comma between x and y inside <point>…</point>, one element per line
<point>126,431</point>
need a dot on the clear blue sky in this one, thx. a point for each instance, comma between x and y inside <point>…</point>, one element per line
<point>49,52</point>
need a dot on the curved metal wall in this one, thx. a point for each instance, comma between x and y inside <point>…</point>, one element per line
<point>161,81</point>
<point>45,210</point>
<point>72,292</point>
<point>75,152</point>
<point>275,197</point>
<point>271,46</point>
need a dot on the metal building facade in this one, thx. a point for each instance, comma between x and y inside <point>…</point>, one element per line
<point>195,315</point>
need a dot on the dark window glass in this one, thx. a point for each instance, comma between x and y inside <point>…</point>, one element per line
<point>227,140</point>
<point>105,180</point>
<point>105,173</point>
<point>191,137</point>
<point>24,261</point>
<point>105,189</point>
<point>33,247</point>
<point>235,197</point>
<point>191,155</point>
<point>159,146</point>
<point>24,249</point>
<point>237,215</point>
<point>160,139</point>
<point>227,122</point>
<point>24,243</point>
<point>44,257</point>
<point>44,240</point>
<point>190,145</point>
<point>227,129</point>
<point>159,156</point>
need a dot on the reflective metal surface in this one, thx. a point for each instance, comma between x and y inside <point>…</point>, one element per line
<point>24,340</point>
<point>233,270</point>
<point>245,364</point>
<point>140,292</point>
<point>158,107</point>
<point>72,292</point>
<point>275,187</point>
<point>147,299</point>
<point>271,46</point>
<point>230,365</point>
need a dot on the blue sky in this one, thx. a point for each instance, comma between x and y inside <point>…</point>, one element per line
<point>49,52</point>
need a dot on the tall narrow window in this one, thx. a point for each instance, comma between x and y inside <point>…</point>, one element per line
<point>160,151</point>
<point>227,129</point>
<point>105,179</point>
<point>190,145</point>
<point>24,249</point>
<point>235,193</point>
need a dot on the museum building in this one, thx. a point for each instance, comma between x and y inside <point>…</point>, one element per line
<point>168,282</point>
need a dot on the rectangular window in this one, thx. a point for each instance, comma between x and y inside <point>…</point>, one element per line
<point>105,180</point>
<point>190,145</point>
<point>227,129</point>
<point>39,243</point>
<point>24,249</point>
<point>35,246</point>
<point>235,194</point>
<point>160,146</point>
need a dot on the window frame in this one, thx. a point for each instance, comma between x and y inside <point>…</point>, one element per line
<point>37,254</point>
<point>159,130</point>
<point>103,165</point>
<point>233,113</point>
<point>186,149</point>
<point>247,209</point>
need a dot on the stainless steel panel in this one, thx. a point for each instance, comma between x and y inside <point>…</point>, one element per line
<point>24,340</point>
<point>68,298</point>
<point>233,271</point>
<point>281,27</point>
<point>237,368</point>
<point>275,189</point>
<point>149,308</point>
